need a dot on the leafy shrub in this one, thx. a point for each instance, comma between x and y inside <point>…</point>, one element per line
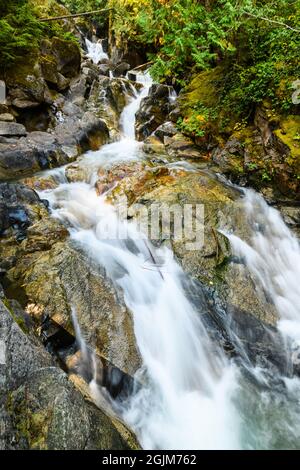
<point>20,31</point>
<point>259,41</point>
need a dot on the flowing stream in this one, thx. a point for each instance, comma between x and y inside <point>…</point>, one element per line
<point>95,51</point>
<point>192,396</point>
<point>273,256</point>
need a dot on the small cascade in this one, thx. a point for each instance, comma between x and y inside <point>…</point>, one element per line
<point>95,51</point>
<point>172,95</point>
<point>127,120</point>
<point>273,256</point>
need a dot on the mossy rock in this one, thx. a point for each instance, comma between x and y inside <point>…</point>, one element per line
<point>205,92</point>
<point>68,57</point>
<point>45,8</point>
<point>204,88</point>
<point>49,413</point>
<point>289,134</point>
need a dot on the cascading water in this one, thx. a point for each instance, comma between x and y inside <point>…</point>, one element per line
<point>187,384</point>
<point>191,396</point>
<point>95,51</point>
<point>127,119</point>
<point>273,256</point>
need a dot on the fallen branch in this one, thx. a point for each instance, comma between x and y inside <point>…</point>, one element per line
<point>76,15</point>
<point>271,21</point>
<point>154,260</point>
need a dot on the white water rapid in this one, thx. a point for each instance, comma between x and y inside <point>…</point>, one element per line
<point>192,396</point>
<point>273,256</point>
<point>95,51</point>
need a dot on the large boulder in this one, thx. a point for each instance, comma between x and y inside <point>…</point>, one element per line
<point>38,151</point>
<point>39,407</point>
<point>62,278</point>
<point>51,74</point>
<point>153,111</point>
<point>233,292</point>
<point>63,57</point>
<point>41,150</point>
<point>81,134</point>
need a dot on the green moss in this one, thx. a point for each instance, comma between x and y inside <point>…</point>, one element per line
<point>202,106</point>
<point>17,319</point>
<point>31,426</point>
<point>288,134</point>
<point>39,425</point>
<point>203,88</point>
<point>18,76</point>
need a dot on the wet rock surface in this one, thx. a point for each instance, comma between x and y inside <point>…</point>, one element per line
<point>53,276</point>
<point>40,408</point>
<point>153,111</point>
<point>63,278</point>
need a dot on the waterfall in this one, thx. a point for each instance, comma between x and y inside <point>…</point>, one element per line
<point>273,256</point>
<point>127,120</point>
<point>95,51</point>
<point>187,384</point>
<point>192,396</point>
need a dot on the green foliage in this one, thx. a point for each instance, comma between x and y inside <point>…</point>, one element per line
<point>78,6</point>
<point>258,40</point>
<point>196,123</point>
<point>20,31</point>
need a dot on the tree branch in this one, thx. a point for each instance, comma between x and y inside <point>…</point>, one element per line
<point>88,13</point>
<point>271,21</point>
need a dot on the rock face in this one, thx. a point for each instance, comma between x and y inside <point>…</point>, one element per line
<point>34,95</point>
<point>40,408</point>
<point>63,278</point>
<point>65,55</point>
<point>34,249</point>
<point>263,152</point>
<point>235,299</point>
<point>153,111</point>
<point>52,67</point>
<point>41,150</point>
<point>12,129</point>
